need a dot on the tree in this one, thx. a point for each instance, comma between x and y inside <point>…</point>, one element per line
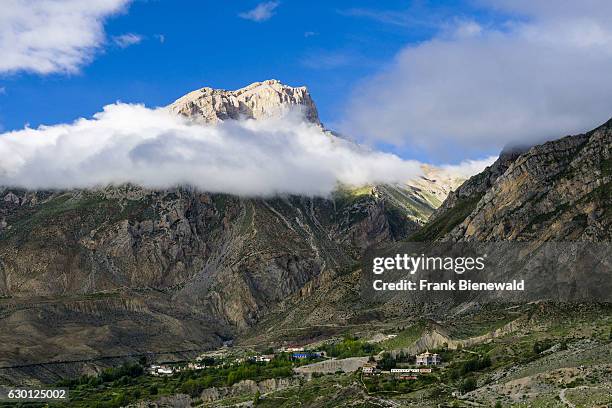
<point>191,387</point>
<point>387,362</point>
<point>256,398</point>
<point>469,384</point>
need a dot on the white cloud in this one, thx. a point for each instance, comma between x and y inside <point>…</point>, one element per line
<point>154,148</point>
<point>468,168</point>
<point>262,12</point>
<point>2,90</point>
<point>126,40</point>
<point>542,74</point>
<point>47,36</point>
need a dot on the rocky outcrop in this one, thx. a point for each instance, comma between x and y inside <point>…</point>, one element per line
<point>556,191</point>
<point>171,401</point>
<point>249,387</point>
<point>259,100</point>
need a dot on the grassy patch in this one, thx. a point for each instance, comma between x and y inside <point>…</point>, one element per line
<point>404,338</point>
<point>447,221</point>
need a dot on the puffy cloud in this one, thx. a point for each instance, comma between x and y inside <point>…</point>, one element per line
<point>262,12</point>
<point>47,36</point>
<point>154,148</point>
<point>475,87</point>
<point>126,40</point>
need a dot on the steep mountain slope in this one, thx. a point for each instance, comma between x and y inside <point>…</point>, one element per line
<point>556,191</point>
<point>126,270</point>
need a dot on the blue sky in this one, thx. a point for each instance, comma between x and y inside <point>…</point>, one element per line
<point>350,54</point>
<point>314,43</point>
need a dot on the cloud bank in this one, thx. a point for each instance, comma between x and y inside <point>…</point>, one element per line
<point>542,73</point>
<point>156,149</point>
<point>48,36</point>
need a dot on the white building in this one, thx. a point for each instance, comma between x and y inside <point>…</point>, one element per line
<point>165,370</point>
<point>266,358</point>
<point>428,358</point>
<point>404,370</point>
<point>160,370</point>
<point>369,369</point>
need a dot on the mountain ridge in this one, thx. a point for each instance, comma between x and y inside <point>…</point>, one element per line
<point>179,269</point>
<point>555,177</point>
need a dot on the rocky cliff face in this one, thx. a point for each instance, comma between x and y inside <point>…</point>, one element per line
<point>259,100</point>
<point>556,191</point>
<point>463,199</point>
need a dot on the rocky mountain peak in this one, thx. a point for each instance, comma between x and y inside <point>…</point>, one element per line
<point>256,101</point>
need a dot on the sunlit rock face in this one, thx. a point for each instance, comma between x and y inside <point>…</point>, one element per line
<point>259,100</point>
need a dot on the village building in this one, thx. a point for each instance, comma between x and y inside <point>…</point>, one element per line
<point>265,358</point>
<point>427,359</point>
<point>404,370</point>
<point>369,369</point>
<point>160,370</point>
<point>165,371</point>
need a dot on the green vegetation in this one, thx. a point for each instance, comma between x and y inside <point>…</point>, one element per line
<point>392,384</point>
<point>350,347</point>
<point>488,319</point>
<point>405,337</point>
<point>541,345</point>
<point>554,337</point>
<point>474,364</point>
<point>448,220</point>
<point>76,213</point>
<point>346,197</point>
<point>469,384</point>
<point>408,203</point>
<point>326,391</point>
<point>119,386</point>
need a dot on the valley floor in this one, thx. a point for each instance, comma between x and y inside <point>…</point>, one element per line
<point>547,355</point>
